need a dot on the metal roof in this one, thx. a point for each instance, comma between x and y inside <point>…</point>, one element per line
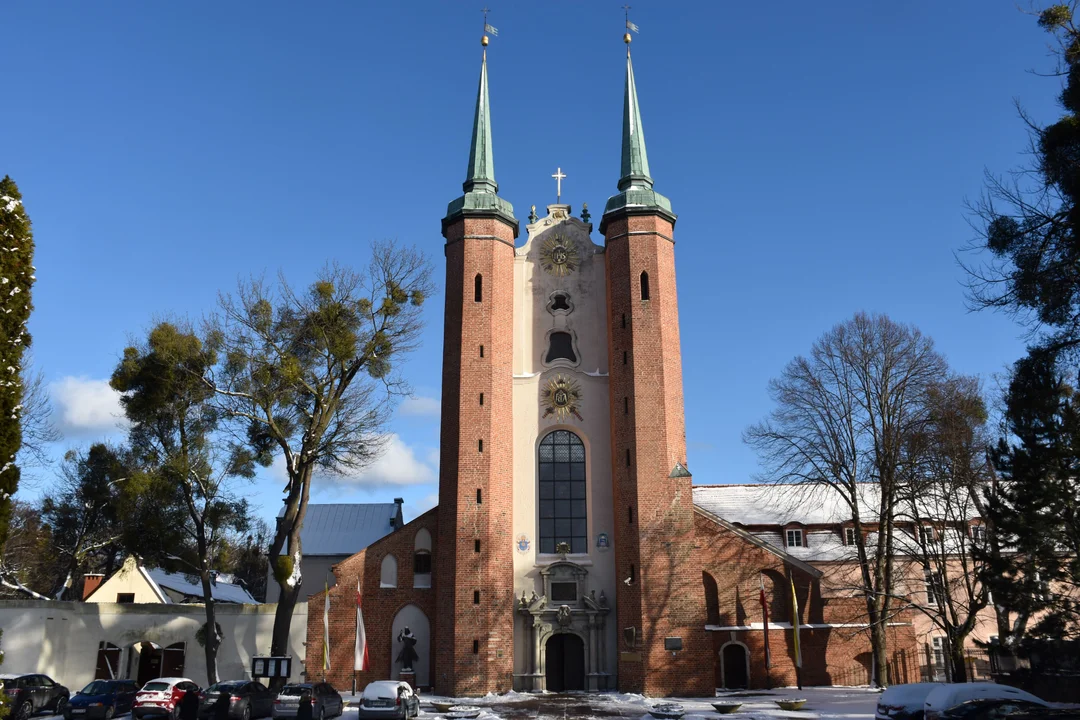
<point>345,529</point>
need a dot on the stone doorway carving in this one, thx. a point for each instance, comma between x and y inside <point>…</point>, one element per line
<point>565,671</point>
<point>566,631</point>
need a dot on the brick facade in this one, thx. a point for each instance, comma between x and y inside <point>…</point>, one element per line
<point>474,641</point>
<point>379,605</point>
<point>654,528</point>
<point>836,655</point>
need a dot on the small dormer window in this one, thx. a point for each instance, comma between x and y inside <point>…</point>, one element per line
<point>849,536</point>
<point>795,538</point>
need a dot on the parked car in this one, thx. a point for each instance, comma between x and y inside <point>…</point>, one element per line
<point>162,697</point>
<point>326,702</point>
<point>993,709</point>
<point>30,694</point>
<point>389,699</point>
<point>247,699</point>
<point>904,702</point>
<point>102,699</point>
<point>949,696</point>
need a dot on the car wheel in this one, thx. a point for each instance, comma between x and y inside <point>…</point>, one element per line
<point>322,713</point>
<point>110,712</point>
<point>247,713</point>
<point>61,704</point>
<point>25,711</point>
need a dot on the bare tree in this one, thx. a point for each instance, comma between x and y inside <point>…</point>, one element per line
<point>25,563</point>
<point>38,429</point>
<point>307,377</point>
<point>842,419</point>
<point>941,503</point>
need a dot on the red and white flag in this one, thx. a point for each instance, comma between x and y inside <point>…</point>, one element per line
<point>360,654</point>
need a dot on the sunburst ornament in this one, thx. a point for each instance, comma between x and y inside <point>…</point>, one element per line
<point>559,255</point>
<point>562,398</point>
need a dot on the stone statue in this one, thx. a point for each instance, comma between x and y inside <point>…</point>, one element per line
<point>408,650</point>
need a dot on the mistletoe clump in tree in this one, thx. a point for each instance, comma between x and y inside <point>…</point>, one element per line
<point>308,375</point>
<point>16,279</point>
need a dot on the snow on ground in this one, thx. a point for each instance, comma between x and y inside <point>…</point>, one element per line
<point>841,703</point>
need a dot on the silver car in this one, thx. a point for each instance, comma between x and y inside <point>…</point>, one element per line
<point>325,700</point>
<point>389,699</point>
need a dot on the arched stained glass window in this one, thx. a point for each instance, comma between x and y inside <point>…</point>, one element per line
<point>563,510</point>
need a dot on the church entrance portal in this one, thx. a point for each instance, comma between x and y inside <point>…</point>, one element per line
<point>565,663</point>
<point>733,656</point>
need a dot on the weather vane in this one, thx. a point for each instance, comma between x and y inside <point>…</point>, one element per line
<point>488,29</point>
<point>559,177</point>
<point>629,25</point>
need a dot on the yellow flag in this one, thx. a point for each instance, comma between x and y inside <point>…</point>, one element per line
<point>795,623</point>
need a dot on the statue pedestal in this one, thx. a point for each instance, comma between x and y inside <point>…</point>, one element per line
<point>410,677</point>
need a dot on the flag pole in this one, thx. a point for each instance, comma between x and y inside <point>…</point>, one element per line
<point>765,617</point>
<point>795,630</point>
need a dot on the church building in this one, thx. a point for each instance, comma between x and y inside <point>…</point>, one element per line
<point>566,551</point>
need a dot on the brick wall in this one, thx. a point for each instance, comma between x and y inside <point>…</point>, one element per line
<point>831,656</point>
<point>665,599</point>
<point>474,246</point>
<point>379,605</point>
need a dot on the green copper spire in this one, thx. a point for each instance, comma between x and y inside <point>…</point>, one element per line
<point>481,174</point>
<point>635,161</point>
<point>481,198</point>
<point>636,194</point>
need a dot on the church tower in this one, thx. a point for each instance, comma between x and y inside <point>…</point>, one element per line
<point>659,603</point>
<point>474,573</point>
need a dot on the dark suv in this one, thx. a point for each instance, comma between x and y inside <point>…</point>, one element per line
<point>31,694</point>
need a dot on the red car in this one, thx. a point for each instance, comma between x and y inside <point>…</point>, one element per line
<point>162,697</point>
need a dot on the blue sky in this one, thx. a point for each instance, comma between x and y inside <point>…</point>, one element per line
<point>818,155</point>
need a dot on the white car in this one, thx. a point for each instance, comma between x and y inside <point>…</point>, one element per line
<point>949,696</point>
<point>904,702</point>
<point>389,699</point>
<point>162,696</point>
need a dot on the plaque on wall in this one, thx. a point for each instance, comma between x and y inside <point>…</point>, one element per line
<point>522,544</point>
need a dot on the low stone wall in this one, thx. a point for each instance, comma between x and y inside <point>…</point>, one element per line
<point>61,639</point>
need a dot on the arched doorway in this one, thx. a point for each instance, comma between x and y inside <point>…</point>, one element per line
<point>565,663</point>
<point>413,618</point>
<point>108,661</point>
<point>735,666</point>
<point>149,666</point>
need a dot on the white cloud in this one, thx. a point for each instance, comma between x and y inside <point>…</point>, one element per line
<point>421,506</point>
<point>84,405</point>
<point>398,465</point>
<point>421,406</point>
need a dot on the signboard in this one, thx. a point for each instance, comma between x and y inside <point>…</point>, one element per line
<point>673,644</point>
<point>266,666</point>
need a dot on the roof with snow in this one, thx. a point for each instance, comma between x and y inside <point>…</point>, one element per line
<point>188,588</point>
<point>807,504</point>
<point>345,529</point>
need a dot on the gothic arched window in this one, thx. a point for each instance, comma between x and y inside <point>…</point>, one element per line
<point>563,510</point>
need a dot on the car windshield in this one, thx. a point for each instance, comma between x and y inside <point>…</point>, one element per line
<point>98,687</point>
<point>224,687</point>
<point>295,689</point>
<point>156,687</point>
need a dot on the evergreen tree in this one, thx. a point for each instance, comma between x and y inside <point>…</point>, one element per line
<point>16,279</point>
<point>1030,221</point>
<point>187,465</point>
<point>1036,507</point>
